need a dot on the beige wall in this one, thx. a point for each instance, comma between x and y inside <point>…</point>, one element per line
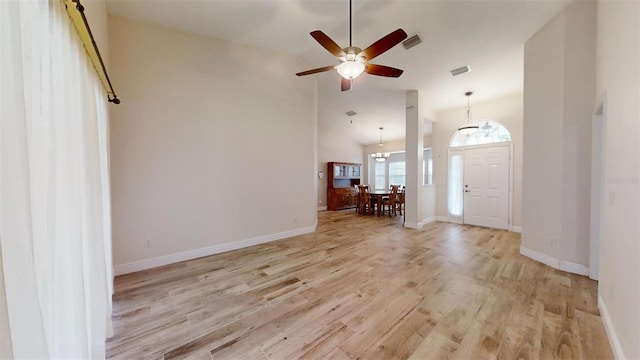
<point>213,146</point>
<point>559,86</point>
<point>334,146</point>
<point>507,111</point>
<point>6,351</point>
<point>618,80</point>
<point>96,13</point>
<point>544,114</point>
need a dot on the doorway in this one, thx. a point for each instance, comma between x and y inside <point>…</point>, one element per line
<point>487,174</point>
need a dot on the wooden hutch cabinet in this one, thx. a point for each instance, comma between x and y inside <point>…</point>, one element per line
<point>340,191</point>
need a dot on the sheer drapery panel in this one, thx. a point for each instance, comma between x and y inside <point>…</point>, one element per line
<point>54,187</point>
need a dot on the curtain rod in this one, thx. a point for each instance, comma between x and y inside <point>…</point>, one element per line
<point>82,26</point>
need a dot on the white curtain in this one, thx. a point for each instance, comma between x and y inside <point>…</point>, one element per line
<point>54,187</point>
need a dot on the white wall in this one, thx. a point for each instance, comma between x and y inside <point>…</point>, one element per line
<point>213,146</point>
<point>334,146</point>
<point>559,86</point>
<point>505,110</point>
<point>618,79</point>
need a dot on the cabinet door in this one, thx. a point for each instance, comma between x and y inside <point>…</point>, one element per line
<point>355,172</point>
<point>346,198</point>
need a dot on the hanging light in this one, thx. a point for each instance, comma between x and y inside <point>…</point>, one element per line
<point>468,129</point>
<point>380,156</point>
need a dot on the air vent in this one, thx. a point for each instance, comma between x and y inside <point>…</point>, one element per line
<point>460,70</point>
<point>411,42</point>
<point>350,113</point>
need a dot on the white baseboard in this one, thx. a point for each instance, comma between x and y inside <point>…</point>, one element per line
<point>442,218</point>
<point>322,208</point>
<point>574,268</point>
<point>517,229</point>
<point>540,257</point>
<point>419,225</point>
<point>428,220</point>
<point>567,266</point>
<point>412,225</point>
<point>610,330</point>
<point>206,251</point>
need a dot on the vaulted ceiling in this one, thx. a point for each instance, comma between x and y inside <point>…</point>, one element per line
<point>487,35</point>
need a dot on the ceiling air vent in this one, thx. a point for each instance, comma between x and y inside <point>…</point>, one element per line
<point>461,70</point>
<point>411,42</point>
<point>350,113</point>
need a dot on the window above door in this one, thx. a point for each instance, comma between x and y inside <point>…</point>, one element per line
<point>488,132</point>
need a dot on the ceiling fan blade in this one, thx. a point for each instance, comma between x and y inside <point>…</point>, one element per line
<point>345,84</point>
<point>318,70</point>
<point>384,44</point>
<point>327,43</point>
<point>382,70</point>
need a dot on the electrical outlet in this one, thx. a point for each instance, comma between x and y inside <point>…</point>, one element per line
<point>612,198</point>
<point>147,242</point>
<point>319,201</point>
<point>553,241</point>
<point>295,220</point>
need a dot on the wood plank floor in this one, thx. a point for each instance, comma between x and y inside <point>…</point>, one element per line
<point>361,287</point>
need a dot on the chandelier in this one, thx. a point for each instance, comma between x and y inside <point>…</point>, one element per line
<point>468,129</point>
<point>380,156</point>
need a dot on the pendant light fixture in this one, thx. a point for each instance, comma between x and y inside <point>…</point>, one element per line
<point>468,129</point>
<point>380,156</point>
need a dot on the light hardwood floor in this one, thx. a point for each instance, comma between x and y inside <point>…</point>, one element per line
<point>361,287</point>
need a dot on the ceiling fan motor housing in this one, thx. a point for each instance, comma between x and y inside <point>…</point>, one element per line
<point>352,53</point>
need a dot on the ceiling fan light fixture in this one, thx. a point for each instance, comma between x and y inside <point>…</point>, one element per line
<point>353,60</point>
<point>350,69</point>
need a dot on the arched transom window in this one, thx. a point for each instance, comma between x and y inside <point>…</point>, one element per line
<point>489,132</point>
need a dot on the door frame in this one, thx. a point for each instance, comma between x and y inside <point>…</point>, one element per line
<point>510,181</point>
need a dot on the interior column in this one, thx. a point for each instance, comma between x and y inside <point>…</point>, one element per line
<point>414,148</point>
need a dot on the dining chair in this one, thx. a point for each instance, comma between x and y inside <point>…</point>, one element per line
<point>364,199</point>
<point>400,199</point>
<point>357,188</point>
<point>390,202</point>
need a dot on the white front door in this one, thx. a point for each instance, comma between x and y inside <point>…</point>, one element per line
<point>486,187</point>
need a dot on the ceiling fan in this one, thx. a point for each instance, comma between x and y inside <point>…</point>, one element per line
<point>353,60</point>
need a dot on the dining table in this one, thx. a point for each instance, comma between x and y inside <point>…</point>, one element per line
<point>379,195</point>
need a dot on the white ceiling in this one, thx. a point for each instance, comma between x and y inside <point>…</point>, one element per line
<point>487,35</point>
